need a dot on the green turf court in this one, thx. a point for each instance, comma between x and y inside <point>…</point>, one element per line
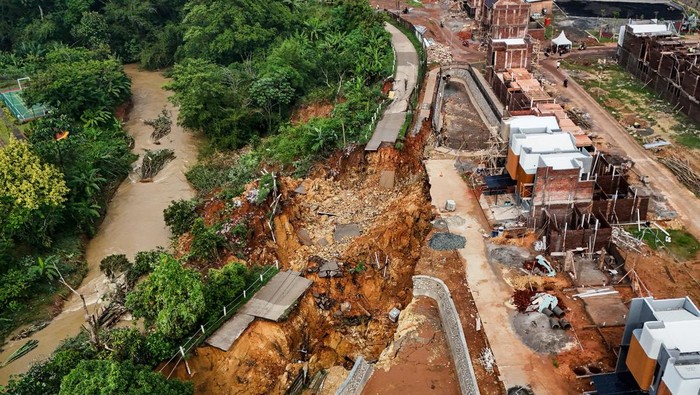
<point>13,101</point>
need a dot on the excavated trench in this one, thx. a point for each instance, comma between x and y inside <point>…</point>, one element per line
<point>339,318</point>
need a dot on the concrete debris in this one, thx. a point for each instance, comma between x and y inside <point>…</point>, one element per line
<point>450,205</point>
<point>329,269</point>
<point>346,231</point>
<point>394,314</point>
<point>487,359</point>
<point>439,53</point>
<point>323,301</point>
<point>447,241</point>
<point>625,239</point>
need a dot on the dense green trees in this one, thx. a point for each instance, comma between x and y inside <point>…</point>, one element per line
<point>74,81</point>
<point>115,378</point>
<point>171,298</point>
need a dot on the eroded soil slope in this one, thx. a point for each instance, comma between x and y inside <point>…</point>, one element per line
<point>339,318</point>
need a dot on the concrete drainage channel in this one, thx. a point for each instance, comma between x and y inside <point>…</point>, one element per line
<point>436,289</point>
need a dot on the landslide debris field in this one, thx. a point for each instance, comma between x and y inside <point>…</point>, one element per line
<point>358,242</point>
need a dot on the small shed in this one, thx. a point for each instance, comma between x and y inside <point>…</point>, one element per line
<point>561,42</point>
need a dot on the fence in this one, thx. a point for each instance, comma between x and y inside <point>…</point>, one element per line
<point>205,330</point>
<point>396,19</point>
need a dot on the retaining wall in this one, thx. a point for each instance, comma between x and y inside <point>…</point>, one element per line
<point>434,288</point>
<point>356,380</point>
<point>480,100</point>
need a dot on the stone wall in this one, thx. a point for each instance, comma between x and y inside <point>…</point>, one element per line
<point>356,380</point>
<point>451,325</point>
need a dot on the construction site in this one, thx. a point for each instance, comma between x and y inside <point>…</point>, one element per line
<point>509,246</point>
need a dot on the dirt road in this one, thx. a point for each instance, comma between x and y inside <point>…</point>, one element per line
<point>134,220</point>
<point>517,364</point>
<point>680,198</point>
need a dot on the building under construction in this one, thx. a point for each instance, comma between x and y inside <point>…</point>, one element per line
<point>664,62</point>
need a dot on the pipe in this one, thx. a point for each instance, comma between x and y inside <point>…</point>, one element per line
<point>554,323</point>
<point>564,324</point>
<point>557,311</point>
<point>547,312</point>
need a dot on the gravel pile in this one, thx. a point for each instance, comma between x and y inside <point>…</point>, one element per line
<point>447,241</point>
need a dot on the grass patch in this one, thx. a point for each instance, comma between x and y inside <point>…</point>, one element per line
<point>609,82</point>
<point>689,140</point>
<point>683,245</point>
<point>415,4</point>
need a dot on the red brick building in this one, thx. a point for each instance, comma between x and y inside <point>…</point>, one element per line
<point>507,53</point>
<point>505,18</point>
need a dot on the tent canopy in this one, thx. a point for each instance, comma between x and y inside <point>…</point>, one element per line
<point>561,40</point>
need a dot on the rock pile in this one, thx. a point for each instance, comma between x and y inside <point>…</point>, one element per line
<point>447,241</point>
<point>438,53</point>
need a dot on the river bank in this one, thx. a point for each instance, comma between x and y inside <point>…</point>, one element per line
<point>134,220</point>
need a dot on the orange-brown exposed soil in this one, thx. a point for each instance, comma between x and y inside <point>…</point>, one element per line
<point>393,223</point>
<point>419,359</point>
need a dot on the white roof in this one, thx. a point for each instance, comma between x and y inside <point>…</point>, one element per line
<point>564,161</point>
<point>542,142</point>
<point>681,335</point>
<point>561,39</point>
<point>510,41</point>
<point>531,121</point>
<point>648,28</point>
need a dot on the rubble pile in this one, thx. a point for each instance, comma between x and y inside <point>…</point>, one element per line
<point>439,53</point>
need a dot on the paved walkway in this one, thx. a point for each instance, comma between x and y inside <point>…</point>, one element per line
<point>518,365</point>
<point>681,199</point>
<point>405,79</point>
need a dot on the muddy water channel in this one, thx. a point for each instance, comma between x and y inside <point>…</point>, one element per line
<point>134,220</point>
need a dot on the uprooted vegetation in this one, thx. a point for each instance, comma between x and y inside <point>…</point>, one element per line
<point>343,315</point>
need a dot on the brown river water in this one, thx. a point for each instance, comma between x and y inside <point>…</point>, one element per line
<point>134,220</point>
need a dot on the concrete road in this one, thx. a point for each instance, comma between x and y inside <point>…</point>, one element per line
<point>517,364</point>
<point>405,77</point>
<point>680,198</point>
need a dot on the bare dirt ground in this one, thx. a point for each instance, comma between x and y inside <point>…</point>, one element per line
<point>419,359</point>
<point>463,128</point>
<point>450,268</point>
<point>430,15</point>
<point>617,138</point>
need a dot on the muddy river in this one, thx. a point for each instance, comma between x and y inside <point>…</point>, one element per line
<point>134,220</point>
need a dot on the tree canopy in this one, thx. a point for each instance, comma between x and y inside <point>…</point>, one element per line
<point>105,377</point>
<point>30,189</point>
<point>171,298</point>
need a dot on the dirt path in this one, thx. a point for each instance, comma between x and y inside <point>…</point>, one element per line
<point>680,198</point>
<point>134,220</point>
<point>518,365</point>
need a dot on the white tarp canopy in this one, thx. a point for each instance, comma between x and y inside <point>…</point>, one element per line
<point>561,40</point>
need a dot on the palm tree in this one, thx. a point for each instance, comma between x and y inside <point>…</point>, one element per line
<point>46,267</point>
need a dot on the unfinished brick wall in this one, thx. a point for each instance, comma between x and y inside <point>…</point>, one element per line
<point>622,210</point>
<point>560,186</point>
<point>666,65</point>
<point>501,56</point>
<point>509,19</point>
